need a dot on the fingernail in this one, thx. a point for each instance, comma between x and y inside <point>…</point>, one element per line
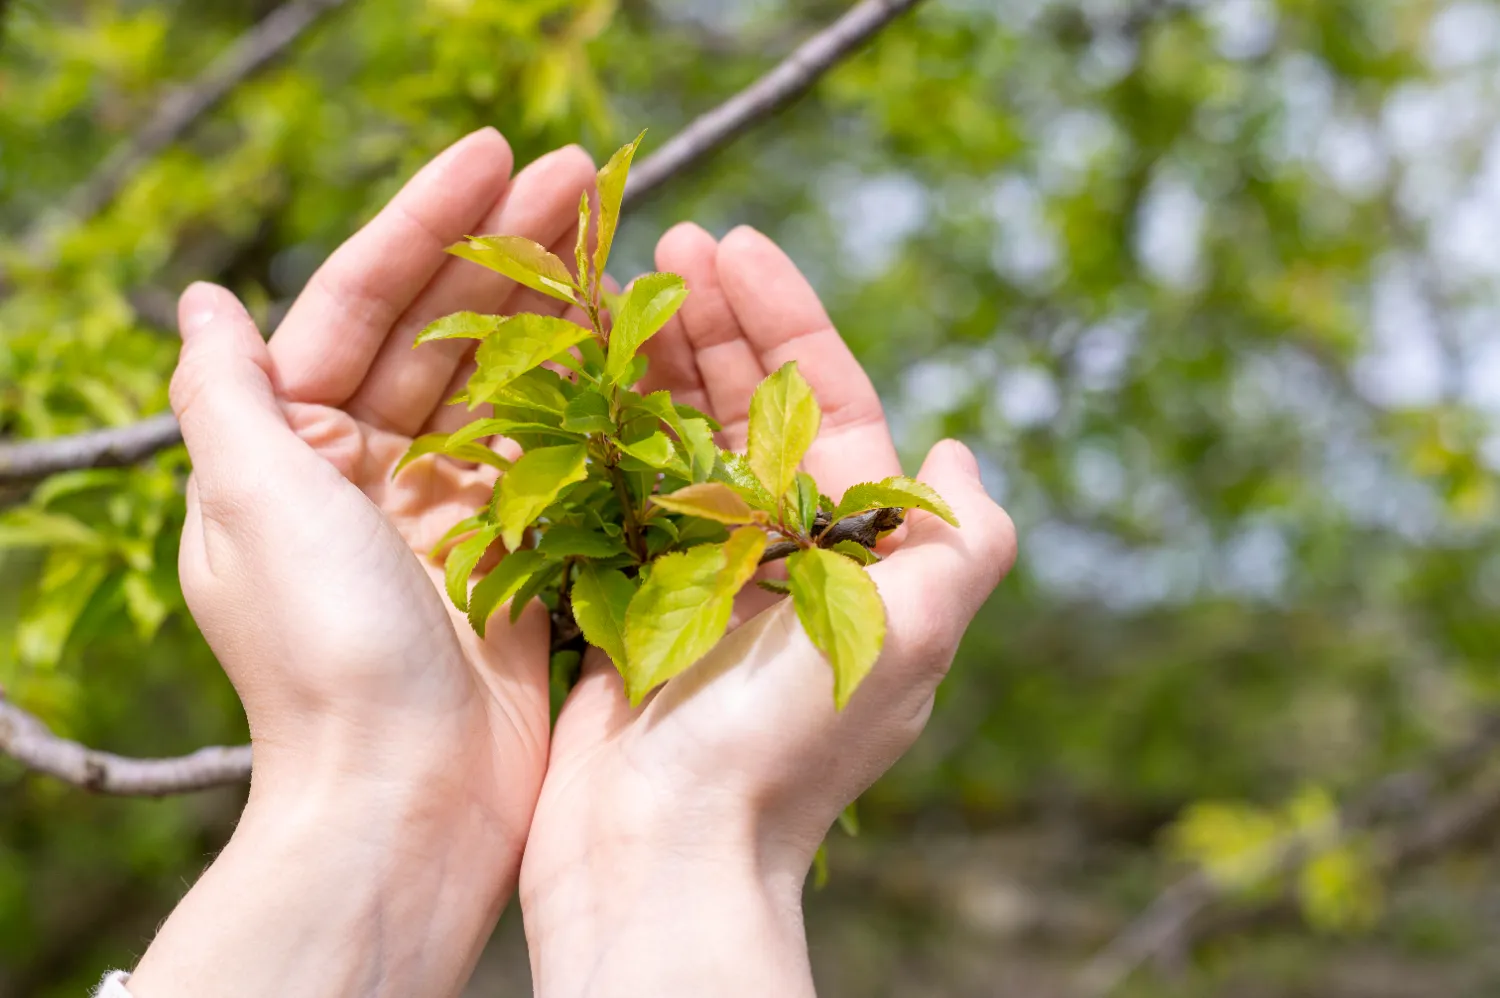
<point>198,306</point>
<point>964,458</point>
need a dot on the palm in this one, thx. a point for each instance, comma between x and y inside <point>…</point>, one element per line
<point>354,389</point>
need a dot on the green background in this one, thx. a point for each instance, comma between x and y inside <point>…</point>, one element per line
<point>1209,286</point>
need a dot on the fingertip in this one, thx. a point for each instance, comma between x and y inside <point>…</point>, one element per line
<point>682,244</point>
<point>203,303</point>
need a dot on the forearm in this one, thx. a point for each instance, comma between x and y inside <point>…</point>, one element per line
<point>637,919</point>
<point>336,889</point>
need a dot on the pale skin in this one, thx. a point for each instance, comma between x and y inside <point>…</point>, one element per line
<point>402,765</point>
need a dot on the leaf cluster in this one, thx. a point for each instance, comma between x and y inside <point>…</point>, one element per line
<point>622,514</point>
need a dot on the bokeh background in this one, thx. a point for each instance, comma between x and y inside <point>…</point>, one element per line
<point>1210,285</point>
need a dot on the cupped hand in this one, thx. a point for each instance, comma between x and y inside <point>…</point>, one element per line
<point>671,842</point>
<point>307,566</point>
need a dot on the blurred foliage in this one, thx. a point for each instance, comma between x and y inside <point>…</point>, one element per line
<point>1210,286</point>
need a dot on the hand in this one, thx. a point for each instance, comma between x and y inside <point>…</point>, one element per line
<point>398,756</point>
<point>670,845</point>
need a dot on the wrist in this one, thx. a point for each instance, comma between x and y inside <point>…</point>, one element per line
<point>678,908</point>
<point>342,881</point>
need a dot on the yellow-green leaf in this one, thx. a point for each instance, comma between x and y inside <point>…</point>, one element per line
<point>600,598</point>
<point>532,484</point>
<point>841,611</point>
<point>462,561</point>
<point>521,344</point>
<point>683,609</point>
<point>454,445</point>
<point>501,584</point>
<point>856,551</point>
<point>898,492</point>
<point>784,419</point>
<point>581,248</point>
<point>460,325</point>
<point>523,261</point>
<point>565,541</point>
<point>709,501</point>
<point>650,302</point>
<point>734,470</point>
<point>611,185</point>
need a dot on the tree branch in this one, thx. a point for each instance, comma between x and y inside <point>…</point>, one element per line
<point>1166,924</point>
<point>30,742</point>
<point>790,79</point>
<point>28,461</point>
<point>177,112</point>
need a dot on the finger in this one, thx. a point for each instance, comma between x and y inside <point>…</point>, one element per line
<point>941,576</point>
<point>222,393</point>
<point>329,339</point>
<point>783,321</point>
<point>723,360</point>
<point>404,386</point>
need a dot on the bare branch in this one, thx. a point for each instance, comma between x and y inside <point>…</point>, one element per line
<point>1166,923</point>
<point>178,111</point>
<point>24,462</point>
<point>790,79</point>
<point>29,741</point>
<point>33,459</point>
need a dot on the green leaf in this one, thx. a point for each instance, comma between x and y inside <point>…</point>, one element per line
<point>841,611</point>
<point>467,525</point>
<point>457,445</point>
<point>600,598</point>
<point>539,389</point>
<point>501,584</point>
<point>460,325</point>
<point>803,497</point>
<point>562,540</point>
<point>898,492</point>
<point>588,413</point>
<point>31,528</point>
<point>581,248</point>
<point>683,608</point>
<point>857,551</point>
<point>650,302</point>
<point>849,820</point>
<point>778,586</point>
<point>143,603</point>
<point>522,343</point>
<point>532,484</point>
<point>784,420</point>
<point>611,184</point>
<point>710,501</point>
<point>734,470</point>
<point>541,580</point>
<point>522,260</point>
<point>655,450</point>
<point>688,412</point>
<point>698,448</point>
<point>67,587</point>
<point>462,561</point>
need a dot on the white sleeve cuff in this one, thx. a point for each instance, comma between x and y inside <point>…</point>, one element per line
<point>113,985</point>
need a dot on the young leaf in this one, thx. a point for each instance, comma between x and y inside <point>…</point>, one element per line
<point>532,484</point>
<point>688,412</point>
<point>683,608</point>
<point>784,420</point>
<point>581,248</point>
<point>856,551</point>
<point>588,413</point>
<point>778,586</point>
<point>500,585</point>
<point>465,526</point>
<point>650,302</point>
<point>453,445</point>
<point>563,541</point>
<point>698,448</point>
<point>654,450</point>
<point>734,470</point>
<point>523,261</point>
<point>461,562</point>
<point>539,390</point>
<point>611,185</point>
<point>896,492</point>
<point>541,579</point>
<point>600,598</point>
<point>460,325</point>
<point>841,611</point>
<point>803,497</point>
<point>522,343</point>
<point>710,501</point>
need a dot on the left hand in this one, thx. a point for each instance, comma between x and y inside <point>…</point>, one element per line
<point>398,756</point>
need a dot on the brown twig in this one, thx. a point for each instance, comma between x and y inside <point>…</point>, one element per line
<point>790,79</point>
<point>862,528</point>
<point>177,112</point>
<point>27,461</point>
<point>27,740</point>
<point>1166,924</point>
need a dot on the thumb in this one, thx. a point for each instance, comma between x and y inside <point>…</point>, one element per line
<point>222,392</point>
<point>960,565</point>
